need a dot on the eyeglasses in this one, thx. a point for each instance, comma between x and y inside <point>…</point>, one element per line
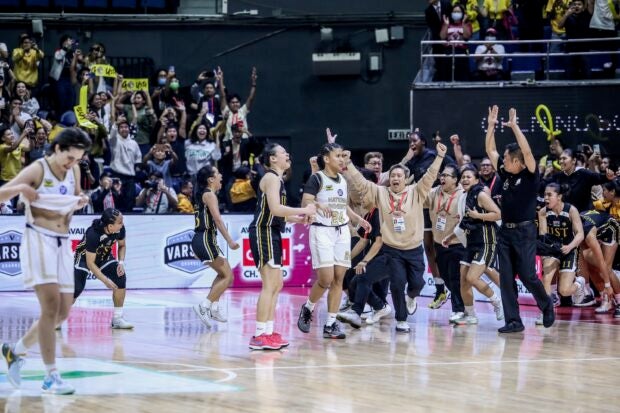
<point>485,164</point>
<point>375,163</point>
<point>447,176</point>
<point>97,49</point>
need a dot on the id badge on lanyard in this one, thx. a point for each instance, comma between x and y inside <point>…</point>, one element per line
<point>440,225</point>
<point>398,219</point>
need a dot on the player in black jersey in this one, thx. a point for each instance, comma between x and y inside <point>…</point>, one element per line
<point>266,243</point>
<point>204,242</point>
<point>560,221</point>
<point>602,234</point>
<point>93,256</point>
<point>478,223</point>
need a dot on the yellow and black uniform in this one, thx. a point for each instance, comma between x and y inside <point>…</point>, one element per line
<point>560,228</point>
<point>101,244</point>
<point>481,235</point>
<point>204,242</point>
<point>607,228</point>
<point>265,229</point>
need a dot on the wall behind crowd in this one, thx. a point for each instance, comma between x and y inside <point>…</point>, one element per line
<point>291,102</point>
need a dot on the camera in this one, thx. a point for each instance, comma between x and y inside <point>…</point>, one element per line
<point>84,164</point>
<point>151,185</point>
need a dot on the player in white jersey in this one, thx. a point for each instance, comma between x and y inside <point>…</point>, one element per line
<point>330,239</point>
<point>50,188</point>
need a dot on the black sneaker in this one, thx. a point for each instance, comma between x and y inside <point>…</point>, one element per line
<point>617,312</point>
<point>588,301</point>
<point>333,331</point>
<point>304,320</point>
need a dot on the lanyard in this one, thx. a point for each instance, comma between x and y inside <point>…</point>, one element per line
<point>447,208</point>
<point>403,197</point>
<point>493,183</point>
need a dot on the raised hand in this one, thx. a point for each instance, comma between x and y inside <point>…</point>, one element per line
<point>253,76</point>
<point>454,139</point>
<point>512,119</point>
<point>441,149</point>
<point>330,138</point>
<point>492,118</point>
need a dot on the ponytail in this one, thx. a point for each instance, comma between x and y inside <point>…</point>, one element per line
<point>107,218</point>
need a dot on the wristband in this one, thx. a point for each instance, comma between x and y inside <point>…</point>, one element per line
<point>607,285</point>
<point>121,262</point>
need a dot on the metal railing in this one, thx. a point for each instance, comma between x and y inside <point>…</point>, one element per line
<point>547,55</point>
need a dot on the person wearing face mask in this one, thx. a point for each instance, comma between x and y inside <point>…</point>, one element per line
<point>576,22</point>
<point>402,228</point>
<point>456,29</point>
<point>435,13</point>
<point>490,66</point>
<point>232,110</point>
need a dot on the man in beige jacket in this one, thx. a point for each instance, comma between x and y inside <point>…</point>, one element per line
<point>402,228</point>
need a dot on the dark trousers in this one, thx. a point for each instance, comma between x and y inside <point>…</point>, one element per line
<point>406,268</point>
<point>370,287</point>
<point>65,94</point>
<point>517,255</point>
<point>448,261</point>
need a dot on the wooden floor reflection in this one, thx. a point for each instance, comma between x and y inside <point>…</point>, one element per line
<point>171,362</point>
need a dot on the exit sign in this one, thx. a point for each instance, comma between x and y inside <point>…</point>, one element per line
<point>397,134</point>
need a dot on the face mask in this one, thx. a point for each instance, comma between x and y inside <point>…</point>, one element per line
<point>457,17</point>
<point>491,38</point>
<point>161,81</point>
<point>174,85</point>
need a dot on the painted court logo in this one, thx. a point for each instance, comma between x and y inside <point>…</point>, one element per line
<point>9,253</point>
<point>178,253</point>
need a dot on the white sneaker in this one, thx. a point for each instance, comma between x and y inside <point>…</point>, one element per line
<point>455,316</point>
<point>203,313</point>
<point>120,324</point>
<point>556,299</point>
<point>539,320</point>
<point>402,327</point>
<point>367,313</point>
<point>605,305</point>
<point>412,305</point>
<point>217,315</point>
<point>467,319</point>
<point>54,384</point>
<point>350,317</point>
<point>580,293</point>
<point>378,315</point>
<point>345,304</point>
<point>499,310</point>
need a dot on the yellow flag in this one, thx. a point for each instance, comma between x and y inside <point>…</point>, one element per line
<point>83,103</point>
<point>133,85</point>
<point>80,114</point>
<point>103,70</point>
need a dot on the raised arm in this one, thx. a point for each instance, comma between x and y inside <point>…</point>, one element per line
<point>528,156</point>
<point>368,190</point>
<point>430,176</point>
<point>490,138</point>
<point>252,95</point>
<point>456,146</point>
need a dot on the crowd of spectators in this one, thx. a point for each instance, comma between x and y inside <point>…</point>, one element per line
<point>148,142</point>
<point>495,21</point>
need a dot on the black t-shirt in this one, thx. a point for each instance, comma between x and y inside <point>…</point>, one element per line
<point>495,186</point>
<point>373,218</point>
<point>519,193</point>
<point>98,243</point>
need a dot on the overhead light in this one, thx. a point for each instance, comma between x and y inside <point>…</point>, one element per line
<point>327,34</point>
<point>382,35</point>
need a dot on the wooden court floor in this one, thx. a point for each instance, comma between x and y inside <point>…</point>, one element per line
<point>171,362</point>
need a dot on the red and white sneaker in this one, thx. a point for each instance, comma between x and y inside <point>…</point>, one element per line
<point>276,337</point>
<point>264,342</point>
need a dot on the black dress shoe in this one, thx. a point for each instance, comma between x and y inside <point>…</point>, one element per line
<point>512,327</point>
<point>549,315</point>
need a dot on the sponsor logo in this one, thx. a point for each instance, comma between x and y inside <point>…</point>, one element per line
<point>248,260</point>
<point>9,253</point>
<point>48,183</point>
<point>179,255</point>
<point>340,192</point>
<point>62,189</point>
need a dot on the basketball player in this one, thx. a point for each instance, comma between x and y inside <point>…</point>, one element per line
<point>51,191</point>
<point>93,255</point>
<point>266,242</point>
<point>330,239</point>
<point>561,221</point>
<point>204,243</point>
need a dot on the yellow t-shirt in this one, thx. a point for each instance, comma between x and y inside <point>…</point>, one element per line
<point>184,205</point>
<point>10,162</point>
<point>614,211</point>
<point>556,9</point>
<point>471,12</point>
<point>26,65</point>
<point>496,8</point>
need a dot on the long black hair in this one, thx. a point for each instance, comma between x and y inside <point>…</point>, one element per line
<point>268,151</point>
<point>202,180</point>
<point>108,217</point>
<point>325,151</point>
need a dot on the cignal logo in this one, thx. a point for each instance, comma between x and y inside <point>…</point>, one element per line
<point>9,253</point>
<point>178,253</point>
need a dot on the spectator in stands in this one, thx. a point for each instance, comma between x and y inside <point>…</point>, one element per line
<point>472,11</point>
<point>556,9</point>
<point>18,117</point>
<point>160,158</point>
<point>497,13</point>
<point>531,24</point>
<point>140,112</point>
<point>88,174</point>
<point>161,83</point>
<point>435,14</point>
<point>98,105</point>
<point>126,156</point>
<point>556,147</point>
<point>489,66</point>
<point>232,110</point>
<point>242,194</point>
<point>234,153</point>
<point>156,197</point>
<point>456,28</point>
<point>175,137</point>
<point>576,22</point>
<point>4,60</point>
<point>26,60</point>
<point>201,149</point>
<point>186,198</point>
<point>61,73</point>
<point>603,26</point>
<point>107,194</point>
<point>207,102</point>
<point>98,136</point>
<point>12,151</point>
<point>30,104</point>
<point>96,55</point>
<point>80,76</point>
<point>39,145</point>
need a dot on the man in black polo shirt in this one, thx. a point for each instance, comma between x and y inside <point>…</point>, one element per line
<point>517,237</point>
